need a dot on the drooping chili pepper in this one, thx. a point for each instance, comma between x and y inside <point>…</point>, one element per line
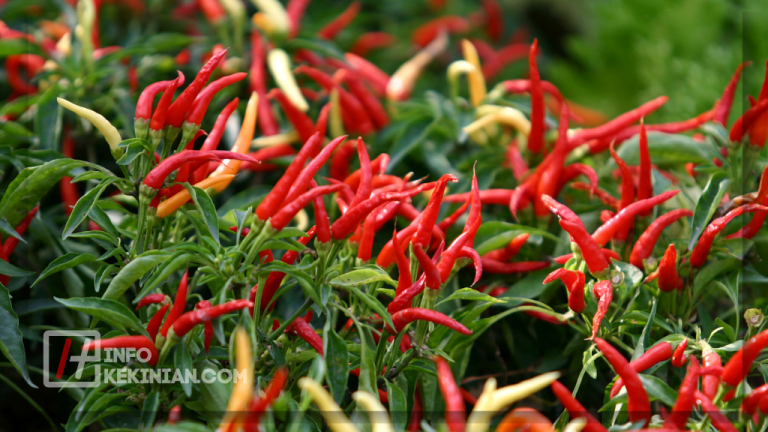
<point>740,363</point>
<point>723,107</point>
<point>406,316</point>
<point>189,320</point>
<point>603,290</point>
<point>710,383</point>
<point>372,40</point>
<point>493,266</point>
<point>301,183</point>
<point>154,180</point>
<point>432,211</point>
<point>404,299</point>
<point>574,282</point>
<point>639,406</point>
<point>561,210</point>
<point>258,84</point>
<point>718,419</point>
<point>669,280</point>
<point>144,106</point>
<point>157,319</point>
<point>686,398</point>
<point>207,326</point>
<point>179,304</point>
<point>106,128</point>
<point>138,343</point>
<point>150,299</point>
<point>274,199</point>
<point>11,242</point>
<point>590,249</point>
<point>647,240</point>
<point>704,245</point>
<point>260,404</point>
<point>287,213</point>
<point>369,73</point>
<point>575,408</point>
<point>617,124</point>
<point>402,81</point>
<point>658,353</point>
<point>627,195</point>
<point>538,111</point>
<point>607,253</point>
<point>510,250</point>
<point>606,231</point>
<point>371,103</point>
<point>678,357</point>
<point>177,112</point>
<point>455,415</point>
<point>753,227</point>
<point>302,329</point>
<point>200,104</point>
<point>574,170</point>
<point>330,30</point>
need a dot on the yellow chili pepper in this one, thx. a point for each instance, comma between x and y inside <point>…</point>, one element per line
<point>401,83</point>
<point>273,18</point>
<point>331,412</point>
<point>173,203</point>
<point>477,90</point>
<point>575,425</point>
<point>492,400</point>
<point>506,115</point>
<point>280,66</point>
<point>455,70</point>
<point>336,124</point>
<point>105,127</point>
<point>380,420</point>
<point>242,392</point>
<point>273,140</point>
<point>242,144</point>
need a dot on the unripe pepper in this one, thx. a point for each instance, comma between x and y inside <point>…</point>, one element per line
<point>102,124</point>
<point>280,66</point>
<point>639,406</point>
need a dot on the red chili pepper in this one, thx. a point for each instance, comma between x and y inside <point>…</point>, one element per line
<point>371,103</point>
<point>340,22</point>
<point>147,98</point>
<point>576,409</point>
<point>704,245</point>
<point>627,195</point>
<point>214,137</point>
<point>295,10</point>
<point>614,126</point>
<point>606,231</point>
<point>753,227</point>
<point>669,280</point>
<point>607,253</point>
<point>574,282</point>
<point>602,194</point>
<point>590,249</point>
<point>678,357</point>
<point>11,242</point>
<point>475,218</point>
<point>510,250</point>
<point>207,326</point>
<point>200,104</point>
<point>300,121</point>
<point>265,154</point>
<point>742,124</point>
<point>455,415</point>
<point>406,316</point>
<point>525,85</point>
<point>365,248</point>
<point>366,179</point>
<point>372,40</point>
<point>138,343</point>
<point>508,54</point>
<point>709,383</point>
<point>260,404</point>
<point>301,183</point>
<point>685,398</point>
<point>302,329</point>
<point>403,300</point>
<point>157,176</point>
<point>494,25</point>
<point>160,115</point>
<point>561,210</point>
<point>429,268</point>
<point>151,299</point>
<point>32,65</point>
<point>723,107</point>
<point>488,196</point>
<point>189,320</point>
<point>516,162</point>
<point>428,31</point>
<point>603,290</point>
<point>275,198</point>
<point>287,213</point>
<point>658,353</point>
<point>157,319</point>
<point>644,188</point>
<point>349,221</point>
<point>647,240</point>
<point>493,266</point>
<point>432,211</point>
<point>369,73</point>
<point>322,120</point>
<point>341,159</point>
<point>358,119</point>
<point>178,110</point>
<point>718,419</point>
<point>174,416</point>
<point>213,11</point>
<point>574,170</point>
<point>403,266</point>
<point>275,278</point>
<point>538,111</point>
<point>178,305</point>
<point>258,84</point>
<point>751,401</point>
<point>541,315</point>
<point>416,414</point>
<point>740,363</point>
<point>449,221</point>
<point>638,406</point>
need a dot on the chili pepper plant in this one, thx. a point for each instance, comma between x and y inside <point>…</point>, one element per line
<point>432,243</point>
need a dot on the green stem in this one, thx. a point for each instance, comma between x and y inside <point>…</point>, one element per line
<point>280,330</point>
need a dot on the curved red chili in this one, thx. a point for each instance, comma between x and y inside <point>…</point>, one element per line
<point>260,404</point>
<point>160,115</point>
<point>574,281</point>
<point>365,188</point>
<point>157,319</point>
<point>751,401</point>
<point>723,107</point>
<point>617,124</point>
<point>647,241</point>
<point>147,98</point>
<point>150,299</point>
<point>368,72</point>
<point>669,280</point>
<point>678,357</point>
<point>704,245</point>
<point>403,299</point>
<point>655,355</point>
<point>627,195</point>
<point>538,111</point>
<point>301,183</point>
<point>741,363</point>
<point>516,162</point>
<point>406,316</point>
<point>371,40</point>
<point>200,104</point>
<point>590,249</point>
<point>574,170</point>
<point>302,329</point>
<point>157,176</point>
<point>429,268</point>
<point>207,326</point>
<point>510,250</point>
<point>287,213</point>
<point>339,167</point>
<point>561,210</point>
<point>455,415</point>
<point>138,343</point>
<point>575,408</point>
<point>177,112</point>
<point>603,290</point>
<point>644,186</point>
<point>686,397</point>
<point>607,253</point>
<point>178,304</point>
<point>11,242</point>
<point>606,231</point>
<point>639,406</point>
<point>718,419</point>
<point>742,124</point>
<point>189,320</point>
<point>339,23</point>
<point>492,266</point>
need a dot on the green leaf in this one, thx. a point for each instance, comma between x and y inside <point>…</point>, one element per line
<point>131,273</point>
<point>494,235</point>
<point>84,205</point>
<point>707,204</point>
<point>665,149</point>
<point>214,395</point>
<point>48,119</point>
<point>11,270</point>
<point>170,266</point>
<point>64,262</point>
<point>336,364</point>
<point>398,407</point>
<point>645,336</point>
<point>182,360</point>
<point>11,340</point>
<point>26,190</point>
<point>362,277</point>
<point>9,47</point>
<point>10,231</point>
<point>470,295</point>
<point>149,410</point>
<point>372,303</point>
<point>111,311</point>
<point>205,206</point>
<point>658,389</point>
